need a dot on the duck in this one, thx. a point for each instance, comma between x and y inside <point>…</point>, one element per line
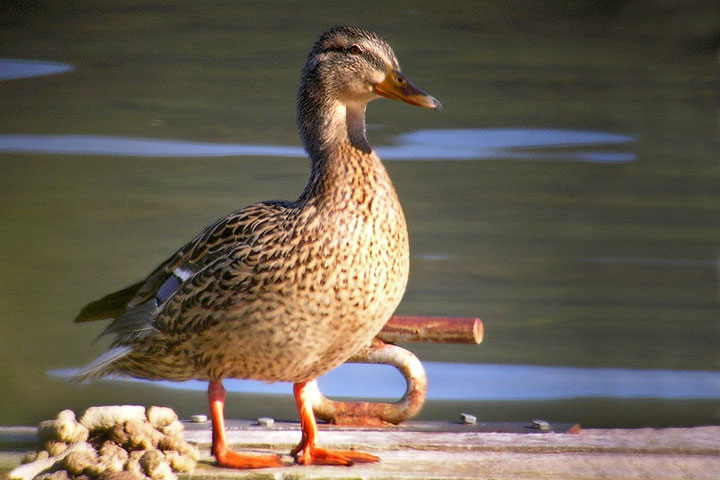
<point>282,291</point>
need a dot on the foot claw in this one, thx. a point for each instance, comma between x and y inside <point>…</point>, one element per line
<point>230,459</point>
<point>323,456</point>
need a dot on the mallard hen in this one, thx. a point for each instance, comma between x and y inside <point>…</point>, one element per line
<point>282,291</point>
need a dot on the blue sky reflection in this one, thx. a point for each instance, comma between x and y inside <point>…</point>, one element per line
<point>453,381</point>
<point>11,69</point>
<point>462,144</point>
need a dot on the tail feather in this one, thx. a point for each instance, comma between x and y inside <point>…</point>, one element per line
<point>110,306</point>
<point>102,365</point>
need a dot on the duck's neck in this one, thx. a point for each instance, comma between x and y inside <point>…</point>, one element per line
<point>326,124</point>
<point>333,133</point>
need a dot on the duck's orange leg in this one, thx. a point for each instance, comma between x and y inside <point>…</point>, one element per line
<point>224,456</point>
<point>307,452</point>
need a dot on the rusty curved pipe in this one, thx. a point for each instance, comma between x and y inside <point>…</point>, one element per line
<point>397,329</point>
<point>377,413</point>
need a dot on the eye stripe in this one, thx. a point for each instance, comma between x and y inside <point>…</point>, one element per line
<point>333,48</point>
<point>370,56</point>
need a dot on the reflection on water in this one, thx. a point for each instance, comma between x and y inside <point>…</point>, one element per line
<point>135,147</point>
<point>463,144</point>
<point>476,382</point>
<point>509,143</point>
<point>12,69</point>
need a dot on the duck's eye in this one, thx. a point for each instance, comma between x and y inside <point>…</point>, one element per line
<point>355,50</point>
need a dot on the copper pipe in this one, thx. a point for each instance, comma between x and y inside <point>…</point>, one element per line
<point>377,413</point>
<point>432,329</point>
<point>397,329</point>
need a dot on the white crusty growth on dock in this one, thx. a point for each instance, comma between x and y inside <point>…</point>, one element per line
<point>108,439</point>
<point>98,418</point>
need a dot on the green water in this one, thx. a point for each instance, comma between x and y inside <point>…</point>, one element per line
<point>576,264</point>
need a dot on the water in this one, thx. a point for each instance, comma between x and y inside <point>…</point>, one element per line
<point>568,194</point>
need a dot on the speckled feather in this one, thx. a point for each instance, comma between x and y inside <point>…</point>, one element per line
<point>279,291</point>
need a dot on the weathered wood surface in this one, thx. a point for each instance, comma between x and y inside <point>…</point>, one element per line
<point>447,451</point>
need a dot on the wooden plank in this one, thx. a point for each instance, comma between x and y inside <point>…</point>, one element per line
<point>419,450</point>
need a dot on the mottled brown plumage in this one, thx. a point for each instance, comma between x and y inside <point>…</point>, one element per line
<point>282,291</point>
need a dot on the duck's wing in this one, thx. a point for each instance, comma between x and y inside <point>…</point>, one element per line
<point>190,270</point>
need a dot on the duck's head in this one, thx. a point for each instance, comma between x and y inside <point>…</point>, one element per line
<point>357,65</point>
<point>347,68</point>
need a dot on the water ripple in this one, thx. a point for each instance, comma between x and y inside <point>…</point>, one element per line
<point>460,144</point>
<point>11,69</point>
